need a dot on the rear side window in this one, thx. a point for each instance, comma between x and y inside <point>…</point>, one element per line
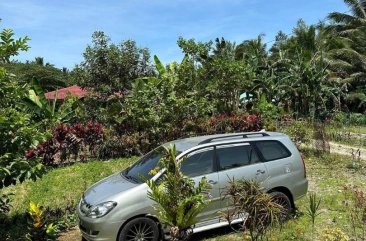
<point>272,150</point>
<point>235,156</point>
<point>198,163</point>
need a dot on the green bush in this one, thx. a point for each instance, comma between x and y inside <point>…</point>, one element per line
<point>342,118</point>
<point>299,132</point>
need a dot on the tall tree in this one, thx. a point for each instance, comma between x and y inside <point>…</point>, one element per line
<point>349,62</point>
<point>112,67</point>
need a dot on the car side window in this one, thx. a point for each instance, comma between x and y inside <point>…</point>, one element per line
<point>236,156</point>
<point>198,163</point>
<point>272,150</point>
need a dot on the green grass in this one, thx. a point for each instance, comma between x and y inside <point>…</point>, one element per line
<point>327,175</point>
<point>354,129</point>
<point>58,188</point>
<point>62,186</point>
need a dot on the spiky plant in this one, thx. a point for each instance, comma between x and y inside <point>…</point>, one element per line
<point>178,201</point>
<point>261,209</point>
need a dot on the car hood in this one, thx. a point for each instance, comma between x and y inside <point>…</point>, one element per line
<point>107,189</point>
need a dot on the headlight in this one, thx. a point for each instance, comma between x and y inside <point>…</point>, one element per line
<point>99,210</point>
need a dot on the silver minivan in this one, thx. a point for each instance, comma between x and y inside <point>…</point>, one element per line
<point>117,208</point>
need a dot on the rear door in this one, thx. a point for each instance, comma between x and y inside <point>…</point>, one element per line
<point>279,162</point>
<point>238,161</point>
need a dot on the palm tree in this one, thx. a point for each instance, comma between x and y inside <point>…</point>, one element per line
<point>349,62</point>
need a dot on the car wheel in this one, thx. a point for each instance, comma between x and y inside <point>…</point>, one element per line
<point>140,229</point>
<point>284,201</point>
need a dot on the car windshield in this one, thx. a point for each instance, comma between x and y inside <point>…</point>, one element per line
<point>143,166</point>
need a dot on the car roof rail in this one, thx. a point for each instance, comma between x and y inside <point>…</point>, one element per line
<point>244,135</point>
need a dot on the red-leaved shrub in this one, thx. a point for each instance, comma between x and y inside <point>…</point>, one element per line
<point>78,140</point>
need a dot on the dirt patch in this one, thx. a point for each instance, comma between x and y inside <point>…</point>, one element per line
<point>346,150</point>
<point>71,235</point>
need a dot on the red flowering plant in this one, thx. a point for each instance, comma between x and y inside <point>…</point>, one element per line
<point>235,122</point>
<point>67,141</point>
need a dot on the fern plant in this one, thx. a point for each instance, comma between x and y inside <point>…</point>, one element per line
<point>178,201</point>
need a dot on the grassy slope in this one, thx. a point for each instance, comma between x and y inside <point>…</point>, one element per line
<point>327,175</point>
<point>61,186</point>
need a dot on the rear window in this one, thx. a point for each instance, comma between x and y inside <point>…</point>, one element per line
<point>272,150</point>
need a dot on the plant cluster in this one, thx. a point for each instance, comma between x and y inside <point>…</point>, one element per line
<point>258,208</point>
<point>355,200</point>
<point>39,229</point>
<point>67,140</point>
<point>178,200</point>
<point>299,132</point>
<point>131,142</point>
<point>64,218</point>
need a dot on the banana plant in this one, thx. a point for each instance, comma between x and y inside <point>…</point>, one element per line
<point>37,104</point>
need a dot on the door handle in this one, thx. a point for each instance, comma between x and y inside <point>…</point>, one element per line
<point>259,171</point>
<point>212,182</point>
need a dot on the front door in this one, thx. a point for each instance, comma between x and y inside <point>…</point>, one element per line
<point>199,164</point>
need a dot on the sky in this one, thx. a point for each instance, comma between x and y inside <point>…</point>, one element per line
<point>61,30</point>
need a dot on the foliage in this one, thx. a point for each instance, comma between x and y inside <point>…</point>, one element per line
<point>66,141</point>
<point>9,46</point>
<point>299,132</point>
<point>178,201</point>
<point>49,111</point>
<point>313,210</point>
<point>348,60</point>
<point>111,67</point>
<point>5,205</point>
<point>64,218</point>
<point>333,234</point>
<point>39,229</point>
<point>17,134</point>
<point>250,202</point>
<point>355,200</point>
<point>341,119</point>
<point>234,123</point>
<point>50,78</point>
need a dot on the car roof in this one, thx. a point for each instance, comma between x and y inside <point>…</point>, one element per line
<point>187,143</point>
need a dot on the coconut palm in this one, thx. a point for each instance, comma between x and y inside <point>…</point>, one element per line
<point>349,62</point>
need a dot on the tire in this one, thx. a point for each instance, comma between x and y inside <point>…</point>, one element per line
<point>140,229</point>
<point>284,201</point>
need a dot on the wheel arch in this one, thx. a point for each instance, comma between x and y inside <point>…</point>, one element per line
<point>161,233</point>
<point>285,191</point>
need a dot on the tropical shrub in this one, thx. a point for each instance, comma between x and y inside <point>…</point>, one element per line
<point>256,207</point>
<point>47,111</point>
<point>342,119</point>
<point>178,201</point>
<point>67,140</point>
<point>38,227</point>
<point>299,132</point>
<point>234,123</point>
<point>355,200</point>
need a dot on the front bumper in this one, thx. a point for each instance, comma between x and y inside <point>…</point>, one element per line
<point>98,229</point>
